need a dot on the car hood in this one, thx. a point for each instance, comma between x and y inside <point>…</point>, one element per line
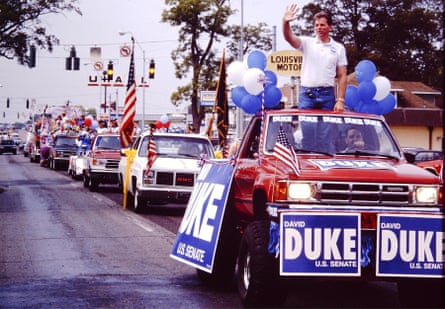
<point>364,170</point>
<point>169,164</point>
<point>107,154</point>
<point>65,148</point>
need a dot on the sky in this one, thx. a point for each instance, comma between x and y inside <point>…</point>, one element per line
<point>99,26</point>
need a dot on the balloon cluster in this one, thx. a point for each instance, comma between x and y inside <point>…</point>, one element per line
<point>163,122</point>
<point>91,123</point>
<point>372,95</point>
<point>253,84</point>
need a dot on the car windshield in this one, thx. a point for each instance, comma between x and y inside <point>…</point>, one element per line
<point>108,142</point>
<point>177,146</point>
<point>65,141</point>
<point>332,135</point>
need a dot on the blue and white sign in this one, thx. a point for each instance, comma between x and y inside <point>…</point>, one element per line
<point>314,244</point>
<point>198,233</point>
<point>410,246</point>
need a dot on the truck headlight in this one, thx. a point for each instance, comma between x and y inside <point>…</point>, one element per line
<point>426,195</point>
<point>99,162</point>
<point>300,191</point>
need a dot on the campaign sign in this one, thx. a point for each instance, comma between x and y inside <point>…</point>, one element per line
<point>410,246</point>
<point>198,233</point>
<point>314,244</point>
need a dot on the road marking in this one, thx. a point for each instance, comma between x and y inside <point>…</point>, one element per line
<point>142,225</point>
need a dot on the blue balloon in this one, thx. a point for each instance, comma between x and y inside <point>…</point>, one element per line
<point>371,107</point>
<point>257,59</point>
<point>387,104</point>
<point>238,93</point>
<point>251,104</point>
<point>272,96</point>
<point>365,71</point>
<point>351,96</point>
<point>271,78</point>
<point>366,90</point>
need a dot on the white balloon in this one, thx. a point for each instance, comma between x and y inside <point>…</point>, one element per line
<point>383,86</point>
<point>254,80</point>
<point>235,72</point>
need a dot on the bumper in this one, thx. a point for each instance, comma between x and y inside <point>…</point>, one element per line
<point>163,194</point>
<point>104,177</point>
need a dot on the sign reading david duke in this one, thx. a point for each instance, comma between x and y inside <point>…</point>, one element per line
<point>198,233</point>
<point>315,244</point>
<point>410,246</point>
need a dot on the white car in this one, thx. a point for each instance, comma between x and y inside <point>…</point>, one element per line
<point>173,173</point>
<point>77,164</point>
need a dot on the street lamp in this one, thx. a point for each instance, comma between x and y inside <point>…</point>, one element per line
<point>143,73</point>
<point>240,113</point>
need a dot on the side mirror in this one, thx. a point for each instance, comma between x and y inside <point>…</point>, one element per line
<point>410,157</point>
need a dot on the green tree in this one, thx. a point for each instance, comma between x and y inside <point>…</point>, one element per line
<point>21,27</point>
<point>403,38</point>
<point>203,24</point>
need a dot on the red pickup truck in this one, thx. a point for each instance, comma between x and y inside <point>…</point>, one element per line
<point>102,161</point>
<point>320,194</point>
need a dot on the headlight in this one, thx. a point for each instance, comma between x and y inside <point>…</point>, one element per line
<point>300,191</point>
<point>426,195</point>
<point>99,162</point>
<point>148,178</point>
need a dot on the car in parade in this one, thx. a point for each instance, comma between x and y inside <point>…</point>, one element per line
<point>62,147</point>
<point>174,171</point>
<point>7,145</point>
<point>102,161</point>
<point>316,195</point>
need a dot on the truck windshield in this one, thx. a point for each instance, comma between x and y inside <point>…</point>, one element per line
<point>334,135</point>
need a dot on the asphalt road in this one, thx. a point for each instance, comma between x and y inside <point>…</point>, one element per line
<point>64,246</point>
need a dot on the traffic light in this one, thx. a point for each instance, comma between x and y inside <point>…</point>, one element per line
<point>7,102</point>
<point>110,71</point>
<point>27,103</point>
<point>72,62</point>
<point>32,56</point>
<point>68,64</point>
<point>151,69</point>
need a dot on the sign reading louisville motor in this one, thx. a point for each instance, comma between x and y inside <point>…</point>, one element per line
<point>285,62</point>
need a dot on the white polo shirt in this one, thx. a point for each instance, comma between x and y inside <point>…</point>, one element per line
<point>320,61</point>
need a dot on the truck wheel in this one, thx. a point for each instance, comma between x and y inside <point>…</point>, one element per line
<point>86,180</point>
<point>421,293</point>
<point>140,203</point>
<point>257,272</point>
<point>93,184</point>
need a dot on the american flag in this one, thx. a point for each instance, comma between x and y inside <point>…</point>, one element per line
<point>285,152</point>
<point>152,154</point>
<point>126,129</point>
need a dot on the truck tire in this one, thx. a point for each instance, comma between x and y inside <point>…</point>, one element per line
<point>421,293</point>
<point>86,180</point>
<point>93,184</point>
<point>258,279</point>
<point>139,203</point>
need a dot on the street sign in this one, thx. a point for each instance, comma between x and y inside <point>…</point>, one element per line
<point>98,66</point>
<point>285,62</point>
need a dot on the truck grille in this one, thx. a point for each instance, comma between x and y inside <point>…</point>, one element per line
<point>175,179</point>
<point>364,193</point>
<point>114,164</point>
